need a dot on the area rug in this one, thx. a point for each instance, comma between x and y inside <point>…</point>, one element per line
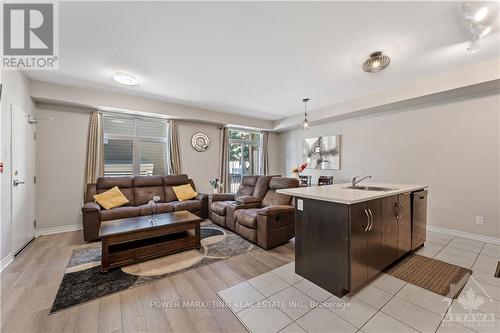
<point>83,280</point>
<point>437,276</point>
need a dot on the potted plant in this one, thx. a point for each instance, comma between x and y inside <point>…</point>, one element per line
<point>216,184</point>
<point>298,169</point>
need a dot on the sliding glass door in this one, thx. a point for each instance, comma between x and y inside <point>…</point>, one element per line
<point>244,153</point>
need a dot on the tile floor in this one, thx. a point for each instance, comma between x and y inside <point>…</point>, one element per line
<point>282,301</point>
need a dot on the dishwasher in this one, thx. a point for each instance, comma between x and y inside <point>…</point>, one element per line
<point>418,218</point>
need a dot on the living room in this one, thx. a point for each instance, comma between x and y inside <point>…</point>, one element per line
<point>202,167</point>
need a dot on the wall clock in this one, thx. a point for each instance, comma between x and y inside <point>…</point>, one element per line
<point>200,141</point>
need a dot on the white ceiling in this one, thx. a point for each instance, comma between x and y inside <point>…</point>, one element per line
<point>260,59</point>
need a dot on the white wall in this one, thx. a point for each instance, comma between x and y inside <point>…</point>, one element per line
<point>451,145</point>
<point>61,154</point>
<point>275,154</point>
<point>15,92</point>
<point>200,166</point>
<point>61,160</point>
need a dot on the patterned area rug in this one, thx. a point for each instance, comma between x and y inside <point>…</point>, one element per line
<point>83,280</point>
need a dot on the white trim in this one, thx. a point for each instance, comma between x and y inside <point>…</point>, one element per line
<point>56,230</point>
<point>470,235</point>
<point>9,258</point>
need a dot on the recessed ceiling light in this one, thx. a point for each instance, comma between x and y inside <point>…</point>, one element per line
<point>486,30</point>
<point>481,14</point>
<point>376,62</point>
<point>125,78</point>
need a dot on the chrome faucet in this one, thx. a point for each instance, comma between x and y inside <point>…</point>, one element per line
<point>356,181</point>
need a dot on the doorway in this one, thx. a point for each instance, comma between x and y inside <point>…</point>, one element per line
<point>23,179</point>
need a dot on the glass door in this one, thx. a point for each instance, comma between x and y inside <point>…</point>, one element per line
<point>243,160</point>
<point>235,166</point>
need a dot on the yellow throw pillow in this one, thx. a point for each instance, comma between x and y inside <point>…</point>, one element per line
<point>184,192</point>
<point>111,199</point>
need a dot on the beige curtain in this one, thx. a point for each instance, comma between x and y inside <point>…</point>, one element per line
<point>174,165</point>
<point>95,150</point>
<point>264,156</point>
<point>224,159</point>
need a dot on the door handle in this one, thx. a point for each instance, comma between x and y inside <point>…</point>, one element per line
<point>367,219</point>
<point>371,219</point>
<point>17,182</point>
<point>400,210</point>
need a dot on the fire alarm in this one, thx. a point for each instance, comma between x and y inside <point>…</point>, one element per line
<point>1,167</point>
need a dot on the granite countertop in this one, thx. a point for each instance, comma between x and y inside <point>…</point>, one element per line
<point>340,194</point>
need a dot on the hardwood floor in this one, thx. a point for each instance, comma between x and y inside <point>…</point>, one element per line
<point>30,283</point>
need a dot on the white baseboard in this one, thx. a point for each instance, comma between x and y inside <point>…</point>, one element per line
<point>56,230</point>
<point>6,261</point>
<point>470,235</point>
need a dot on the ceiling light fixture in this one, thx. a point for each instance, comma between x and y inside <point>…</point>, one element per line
<point>125,78</point>
<point>477,30</point>
<point>376,62</point>
<point>481,14</point>
<point>486,30</point>
<point>306,124</point>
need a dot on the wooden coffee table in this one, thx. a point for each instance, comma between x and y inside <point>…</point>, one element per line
<point>130,240</point>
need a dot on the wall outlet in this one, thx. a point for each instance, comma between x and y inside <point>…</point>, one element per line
<point>300,204</point>
<point>479,219</point>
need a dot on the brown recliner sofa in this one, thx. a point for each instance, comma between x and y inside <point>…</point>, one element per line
<point>273,222</point>
<point>138,190</point>
<point>250,193</point>
<point>264,217</point>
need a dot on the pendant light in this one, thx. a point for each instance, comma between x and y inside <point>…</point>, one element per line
<point>306,124</point>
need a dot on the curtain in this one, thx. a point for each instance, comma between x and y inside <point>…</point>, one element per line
<point>264,156</point>
<point>174,165</point>
<point>95,150</point>
<point>224,159</point>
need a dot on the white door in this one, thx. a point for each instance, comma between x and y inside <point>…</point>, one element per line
<point>23,184</point>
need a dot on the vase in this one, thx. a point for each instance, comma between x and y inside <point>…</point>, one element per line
<point>216,191</point>
<point>295,175</point>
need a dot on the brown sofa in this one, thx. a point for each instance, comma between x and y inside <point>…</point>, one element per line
<point>262,216</point>
<point>138,190</point>
<point>250,193</point>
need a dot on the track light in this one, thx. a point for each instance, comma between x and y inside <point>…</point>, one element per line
<point>481,14</point>
<point>477,30</point>
<point>485,30</point>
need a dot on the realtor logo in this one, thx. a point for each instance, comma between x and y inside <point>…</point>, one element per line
<point>29,36</point>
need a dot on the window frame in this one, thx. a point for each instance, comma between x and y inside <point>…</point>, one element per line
<point>136,140</point>
<point>242,142</point>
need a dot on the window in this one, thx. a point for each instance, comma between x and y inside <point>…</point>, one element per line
<point>134,146</point>
<point>244,156</point>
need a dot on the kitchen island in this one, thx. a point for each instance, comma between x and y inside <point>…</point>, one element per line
<point>345,235</point>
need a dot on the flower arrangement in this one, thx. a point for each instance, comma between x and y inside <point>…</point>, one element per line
<point>216,184</point>
<point>299,168</point>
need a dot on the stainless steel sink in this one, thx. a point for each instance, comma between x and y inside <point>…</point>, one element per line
<point>371,188</point>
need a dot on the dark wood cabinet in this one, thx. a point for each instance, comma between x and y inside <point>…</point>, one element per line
<point>358,244</point>
<point>390,230</point>
<point>374,238</point>
<point>365,247</point>
<point>396,228</point>
<point>404,226</point>
<point>321,249</point>
<point>340,247</point>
